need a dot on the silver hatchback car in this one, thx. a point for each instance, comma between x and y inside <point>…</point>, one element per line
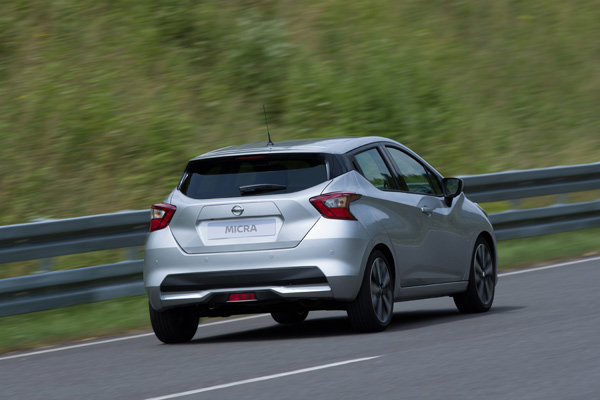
<point>351,224</point>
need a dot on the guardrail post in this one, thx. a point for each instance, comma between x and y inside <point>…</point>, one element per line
<point>133,253</point>
<point>562,198</point>
<point>45,265</point>
<point>515,204</point>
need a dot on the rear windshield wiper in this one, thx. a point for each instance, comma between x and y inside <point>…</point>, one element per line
<point>261,187</point>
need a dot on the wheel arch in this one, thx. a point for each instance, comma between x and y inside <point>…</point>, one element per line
<point>492,242</point>
<point>390,256</point>
<point>372,309</point>
<point>385,249</point>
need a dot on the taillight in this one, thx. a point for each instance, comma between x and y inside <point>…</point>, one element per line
<point>161,216</point>
<point>335,205</point>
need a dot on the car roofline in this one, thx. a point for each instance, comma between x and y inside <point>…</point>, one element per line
<point>338,145</point>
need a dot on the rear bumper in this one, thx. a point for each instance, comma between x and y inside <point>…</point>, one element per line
<point>202,281</point>
<point>268,285</point>
<point>320,267</point>
<point>219,298</point>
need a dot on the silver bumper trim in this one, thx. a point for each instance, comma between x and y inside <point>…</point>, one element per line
<point>283,291</point>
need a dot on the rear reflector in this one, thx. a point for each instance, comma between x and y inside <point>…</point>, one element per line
<point>335,205</point>
<point>242,297</point>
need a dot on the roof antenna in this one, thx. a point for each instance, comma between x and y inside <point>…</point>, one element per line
<point>270,144</point>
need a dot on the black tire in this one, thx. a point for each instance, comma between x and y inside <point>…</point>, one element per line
<point>290,316</point>
<point>482,281</point>
<point>373,308</point>
<point>175,325</point>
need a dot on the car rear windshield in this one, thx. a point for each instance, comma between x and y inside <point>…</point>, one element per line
<point>251,175</point>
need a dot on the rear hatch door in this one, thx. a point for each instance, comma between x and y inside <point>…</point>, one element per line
<point>258,202</point>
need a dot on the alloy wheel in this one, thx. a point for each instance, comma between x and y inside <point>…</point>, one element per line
<point>381,290</point>
<point>484,273</point>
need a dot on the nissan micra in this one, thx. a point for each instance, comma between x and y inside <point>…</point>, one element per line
<point>351,224</point>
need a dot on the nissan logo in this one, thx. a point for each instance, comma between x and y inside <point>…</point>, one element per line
<point>237,210</point>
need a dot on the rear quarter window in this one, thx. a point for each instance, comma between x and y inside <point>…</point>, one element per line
<point>223,177</point>
<point>375,170</point>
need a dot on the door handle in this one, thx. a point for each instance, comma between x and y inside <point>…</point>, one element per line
<point>426,210</point>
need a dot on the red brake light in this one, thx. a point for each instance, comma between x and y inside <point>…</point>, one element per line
<point>161,214</point>
<point>335,205</point>
<point>250,157</point>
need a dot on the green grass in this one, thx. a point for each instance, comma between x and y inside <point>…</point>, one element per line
<point>68,324</point>
<point>127,315</point>
<point>544,249</point>
<point>71,261</point>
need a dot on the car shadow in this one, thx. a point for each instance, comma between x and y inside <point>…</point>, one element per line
<point>339,325</point>
<point>409,320</point>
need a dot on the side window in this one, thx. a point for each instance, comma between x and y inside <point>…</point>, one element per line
<point>418,179</point>
<point>374,169</point>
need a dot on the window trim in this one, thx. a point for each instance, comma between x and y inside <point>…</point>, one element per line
<point>377,146</point>
<point>430,173</point>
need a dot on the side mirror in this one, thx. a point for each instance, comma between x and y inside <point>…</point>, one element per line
<point>453,187</point>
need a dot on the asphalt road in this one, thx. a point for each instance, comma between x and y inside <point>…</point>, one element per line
<point>541,340</point>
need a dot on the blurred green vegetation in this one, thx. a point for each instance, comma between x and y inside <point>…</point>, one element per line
<point>527,252</point>
<point>71,261</point>
<point>103,103</point>
<point>68,324</point>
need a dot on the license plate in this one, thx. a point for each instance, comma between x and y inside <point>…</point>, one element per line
<point>241,228</point>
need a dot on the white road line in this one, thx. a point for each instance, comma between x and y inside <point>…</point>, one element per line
<point>261,378</point>
<point>76,346</point>
<point>564,264</point>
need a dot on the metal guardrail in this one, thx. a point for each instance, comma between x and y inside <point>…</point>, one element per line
<point>512,185</point>
<point>46,239</point>
<point>53,238</point>
<point>519,224</point>
<point>70,287</point>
